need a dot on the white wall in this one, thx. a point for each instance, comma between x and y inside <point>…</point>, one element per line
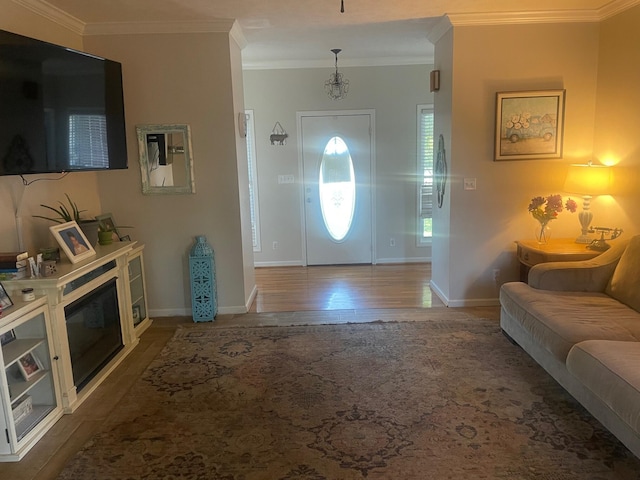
<point>596,62</point>
<point>394,93</point>
<point>616,131</point>
<point>486,222</point>
<point>442,126</point>
<point>180,78</point>
<point>168,78</point>
<point>18,229</point>
<point>248,273</point>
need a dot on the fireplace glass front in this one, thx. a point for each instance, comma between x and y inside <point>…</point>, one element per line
<point>94,332</point>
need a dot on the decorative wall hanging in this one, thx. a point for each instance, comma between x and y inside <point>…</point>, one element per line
<point>434,81</point>
<point>242,124</point>
<point>166,159</point>
<point>441,171</point>
<point>529,125</point>
<point>278,135</point>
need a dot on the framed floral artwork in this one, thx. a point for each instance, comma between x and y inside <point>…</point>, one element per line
<point>529,125</point>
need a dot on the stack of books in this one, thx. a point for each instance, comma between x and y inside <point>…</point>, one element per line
<point>13,265</point>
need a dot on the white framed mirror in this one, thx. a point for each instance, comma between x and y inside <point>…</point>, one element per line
<point>166,161</point>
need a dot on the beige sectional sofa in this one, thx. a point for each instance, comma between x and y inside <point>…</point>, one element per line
<point>580,321</point>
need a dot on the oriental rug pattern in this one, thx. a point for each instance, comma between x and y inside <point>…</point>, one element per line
<point>436,399</point>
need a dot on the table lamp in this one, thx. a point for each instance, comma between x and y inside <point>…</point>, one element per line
<point>587,180</point>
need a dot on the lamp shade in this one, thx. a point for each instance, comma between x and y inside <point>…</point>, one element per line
<point>588,180</point>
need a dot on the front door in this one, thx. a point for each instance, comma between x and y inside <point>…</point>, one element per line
<point>336,158</point>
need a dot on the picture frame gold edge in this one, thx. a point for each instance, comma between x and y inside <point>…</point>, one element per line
<point>561,93</point>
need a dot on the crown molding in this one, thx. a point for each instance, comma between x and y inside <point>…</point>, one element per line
<point>439,29</point>
<point>237,34</point>
<point>364,62</point>
<point>133,28</point>
<point>553,16</point>
<point>53,14</point>
<point>616,7</point>
<point>520,18</point>
<point>60,17</point>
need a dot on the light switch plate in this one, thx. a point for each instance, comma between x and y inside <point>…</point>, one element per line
<point>286,179</point>
<point>469,183</point>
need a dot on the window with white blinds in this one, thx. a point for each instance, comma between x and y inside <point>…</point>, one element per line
<point>253,182</point>
<point>425,172</point>
<point>88,146</point>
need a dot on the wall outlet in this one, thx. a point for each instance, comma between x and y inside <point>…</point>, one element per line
<point>392,242</point>
<point>275,245</point>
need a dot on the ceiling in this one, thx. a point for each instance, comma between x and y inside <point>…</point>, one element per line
<point>301,33</point>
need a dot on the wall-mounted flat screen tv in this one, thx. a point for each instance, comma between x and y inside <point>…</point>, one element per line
<point>61,110</point>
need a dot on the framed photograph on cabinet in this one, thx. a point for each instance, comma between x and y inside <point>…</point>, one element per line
<point>108,223</point>
<point>5,300</point>
<point>137,313</point>
<point>529,125</point>
<point>29,365</point>
<point>72,240</point>
<point>7,337</point>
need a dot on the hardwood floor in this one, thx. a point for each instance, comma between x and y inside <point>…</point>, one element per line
<point>284,289</point>
<point>302,295</point>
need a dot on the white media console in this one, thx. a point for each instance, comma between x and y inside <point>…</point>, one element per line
<point>86,318</point>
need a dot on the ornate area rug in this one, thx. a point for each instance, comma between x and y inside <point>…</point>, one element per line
<point>437,400</point>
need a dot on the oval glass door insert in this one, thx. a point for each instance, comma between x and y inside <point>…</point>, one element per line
<point>337,186</point>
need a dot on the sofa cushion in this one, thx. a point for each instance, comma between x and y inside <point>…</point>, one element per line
<point>558,320</point>
<point>611,371</point>
<point>625,282</point>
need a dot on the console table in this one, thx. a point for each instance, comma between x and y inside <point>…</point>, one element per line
<point>530,253</point>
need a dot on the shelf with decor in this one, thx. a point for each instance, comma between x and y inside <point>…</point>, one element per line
<point>90,317</point>
<point>137,290</point>
<point>29,386</point>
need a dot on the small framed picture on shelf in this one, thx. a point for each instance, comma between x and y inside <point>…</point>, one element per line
<point>107,223</point>
<point>73,242</point>
<point>5,300</point>
<point>29,365</point>
<point>136,314</point>
<point>7,337</point>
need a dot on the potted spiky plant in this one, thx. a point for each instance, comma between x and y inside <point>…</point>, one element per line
<point>73,213</point>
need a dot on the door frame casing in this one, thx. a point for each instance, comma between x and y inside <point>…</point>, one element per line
<point>372,139</point>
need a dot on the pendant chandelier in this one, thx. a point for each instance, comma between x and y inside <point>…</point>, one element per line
<point>337,86</point>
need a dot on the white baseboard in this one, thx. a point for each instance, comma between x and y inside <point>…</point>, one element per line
<point>297,263</point>
<point>469,302</point>
<point>169,312</point>
<point>186,312</point>
<point>288,263</point>
<point>252,297</point>
<point>380,261</point>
